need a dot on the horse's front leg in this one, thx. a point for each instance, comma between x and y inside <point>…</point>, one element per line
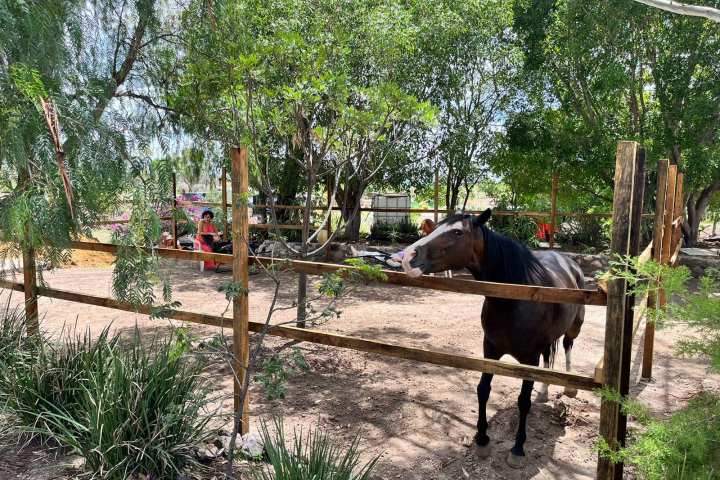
<point>516,457</point>
<point>482,440</point>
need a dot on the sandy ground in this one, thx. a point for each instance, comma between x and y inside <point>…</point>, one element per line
<point>419,417</point>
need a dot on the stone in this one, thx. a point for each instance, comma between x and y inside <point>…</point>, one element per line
<point>208,452</point>
<point>251,445</point>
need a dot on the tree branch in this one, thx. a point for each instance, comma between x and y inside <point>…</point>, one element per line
<point>684,9</point>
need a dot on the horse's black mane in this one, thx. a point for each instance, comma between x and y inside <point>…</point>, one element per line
<point>506,260</point>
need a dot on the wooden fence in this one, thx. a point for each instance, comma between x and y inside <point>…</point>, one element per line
<point>620,322</point>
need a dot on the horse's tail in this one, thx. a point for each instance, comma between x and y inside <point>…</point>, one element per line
<point>553,349</point>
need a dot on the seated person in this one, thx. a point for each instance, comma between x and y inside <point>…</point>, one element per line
<point>206,236</point>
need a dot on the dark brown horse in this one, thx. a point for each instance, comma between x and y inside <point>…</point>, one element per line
<point>525,330</point>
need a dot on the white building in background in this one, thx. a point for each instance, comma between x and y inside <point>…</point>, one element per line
<point>391,200</point>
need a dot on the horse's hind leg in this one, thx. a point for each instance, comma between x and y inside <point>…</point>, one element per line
<point>543,393</point>
<point>568,341</point>
<point>516,458</point>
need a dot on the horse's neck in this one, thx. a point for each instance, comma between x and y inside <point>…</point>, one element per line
<point>494,268</point>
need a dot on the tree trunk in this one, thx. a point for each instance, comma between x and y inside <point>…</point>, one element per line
<point>302,277</point>
<point>349,202</point>
<point>697,205</point>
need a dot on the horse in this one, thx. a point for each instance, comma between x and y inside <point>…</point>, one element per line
<point>523,329</point>
<point>427,226</point>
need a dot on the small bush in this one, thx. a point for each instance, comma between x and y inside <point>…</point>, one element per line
<point>520,229</point>
<point>13,345</point>
<point>686,446</point>
<point>313,456</point>
<point>127,409</point>
<point>401,232</point>
<point>583,231</point>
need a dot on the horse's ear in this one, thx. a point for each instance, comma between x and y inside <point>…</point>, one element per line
<point>482,219</point>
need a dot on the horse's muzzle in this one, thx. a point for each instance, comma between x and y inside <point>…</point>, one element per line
<point>410,263</point>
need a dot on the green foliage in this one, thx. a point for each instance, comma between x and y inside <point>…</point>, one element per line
<point>587,231</point>
<point>518,228</point>
<point>127,408</point>
<point>312,456</point>
<point>685,445</point>
<point>401,232</point>
<point>363,271</point>
<point>13,344</point>
<point>700,310</point>
<point>682,447</point>
<point>276,371</point>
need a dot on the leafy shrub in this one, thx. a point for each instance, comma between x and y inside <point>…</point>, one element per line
<point>584,231</point>
<point>13,345</point>
<point>520,229</point>
<point>276,371</point>
<point>402,232</point>
<point>687,444</point>
<point>313,456</point>
<point>128,410</point>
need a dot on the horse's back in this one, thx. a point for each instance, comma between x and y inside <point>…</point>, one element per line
<point>563,271</point>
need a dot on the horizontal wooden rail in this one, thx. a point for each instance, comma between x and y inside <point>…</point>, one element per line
<point>518,213</point>
<point>259,226</point>
<point>18,287</point>
<point>525,372</point>
<point>489,289</point>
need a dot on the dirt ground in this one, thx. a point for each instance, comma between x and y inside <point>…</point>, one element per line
<point>419,417</point>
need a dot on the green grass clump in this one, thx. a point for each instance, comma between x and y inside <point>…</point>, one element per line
<point>684,447</point>
<point>313,456</point>
<point>127,409</point>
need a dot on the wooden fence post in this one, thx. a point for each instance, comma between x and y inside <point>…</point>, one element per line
<point>678,212</point>
<point>610,419</point>
<point>30,290</point>
<point>553,209</point>
<point>174,220</point>
<point>638,195</point>
<point>240,237</point>
<point>669,212</point>
<point>223,190</point>
<point>649,340</point>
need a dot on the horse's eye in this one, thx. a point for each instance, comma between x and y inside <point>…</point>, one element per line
<point>458,233</point>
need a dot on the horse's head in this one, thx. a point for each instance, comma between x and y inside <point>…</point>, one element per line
<point>456,243</point>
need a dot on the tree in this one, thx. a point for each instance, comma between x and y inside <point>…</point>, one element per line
<point>466,68</point>
<point>619,70</point>
<point>65,146</point>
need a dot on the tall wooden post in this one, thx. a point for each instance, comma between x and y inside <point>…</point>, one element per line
<point>240,237</point>
<point>669,212</point>
<point>638,194</point>
<point>610,418</point>
<point>436,198</point>
<point>223,190</point>
<point>658,227</point>
<point>174,220</point>
<point>553,209</point>
<point>30,290</point>
<point>678,212</point>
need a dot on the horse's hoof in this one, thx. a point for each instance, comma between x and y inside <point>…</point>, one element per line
<point>481,451</point>
<point>516,461</point>
<point>570,392</point>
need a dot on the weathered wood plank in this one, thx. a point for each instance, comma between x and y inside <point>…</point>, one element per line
<point>615,316</point>
<point>241,311</point>
<point>490,289</point>
<point>550,376</point>
<point>658,231</point>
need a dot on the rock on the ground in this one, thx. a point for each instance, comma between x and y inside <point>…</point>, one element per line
<point>208,452</point>
<point>251,445</point>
